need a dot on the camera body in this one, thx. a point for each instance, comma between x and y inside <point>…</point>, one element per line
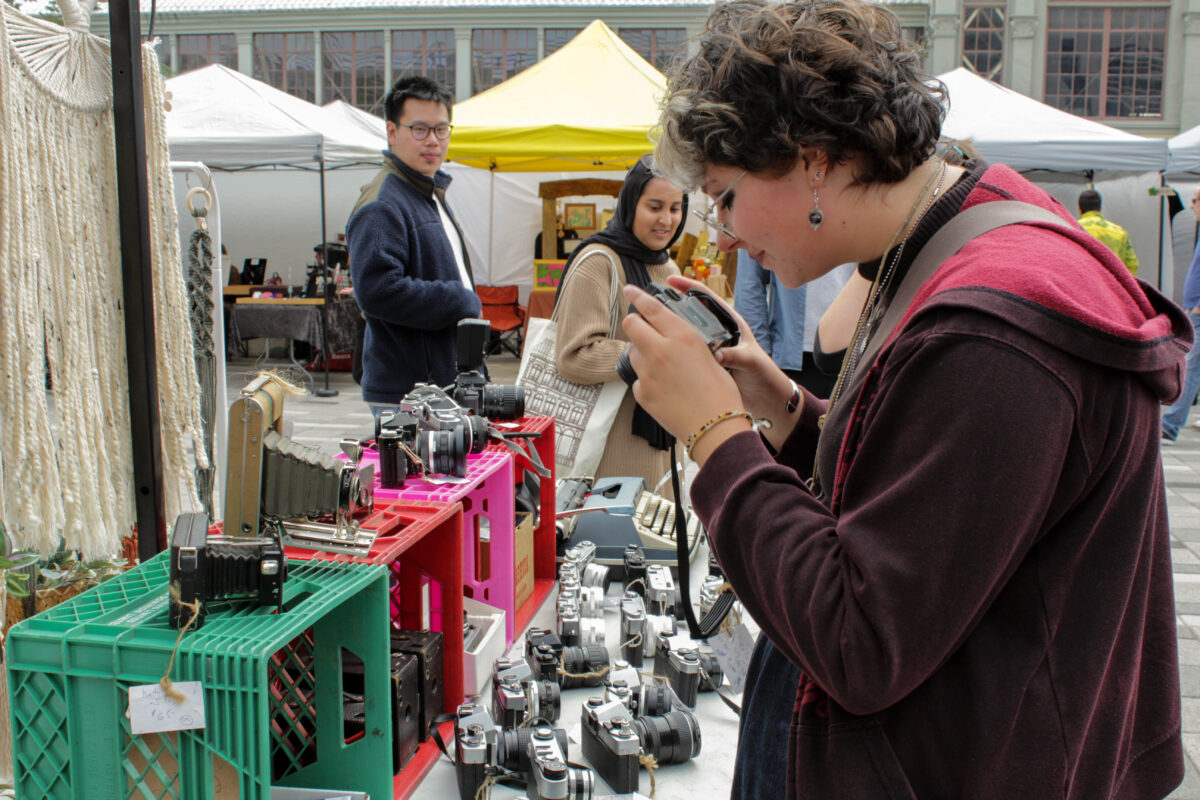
<point>682,670</point>
<point>203,570</point>
<point>549,776</point>
<point>714,324</point>
<point>518,695</point>
<point>610,744</point>
<point>633,628</point>
<point>634,559</point>
<point>475,748</point>
<point>660,590</point>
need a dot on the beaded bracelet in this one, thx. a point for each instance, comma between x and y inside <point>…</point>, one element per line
<point>712,423</point>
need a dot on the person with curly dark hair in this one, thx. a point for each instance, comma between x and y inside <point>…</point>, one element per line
<point>963,555</point>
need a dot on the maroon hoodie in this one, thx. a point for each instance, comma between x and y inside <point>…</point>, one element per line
<point>984,609</point>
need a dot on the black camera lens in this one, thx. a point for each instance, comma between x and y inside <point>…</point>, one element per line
<point>653,701</point>
<point>583,664</point>
<point>625,369</point>
<point>477,435</point>
<point>392,468</point>
<point>503,401</point>
<point>513,747</point>
<point>545,700</point>
<point>671,738</point>
<point>444,452</point>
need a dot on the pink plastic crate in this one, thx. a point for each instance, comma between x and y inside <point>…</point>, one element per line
<point>486,496</point>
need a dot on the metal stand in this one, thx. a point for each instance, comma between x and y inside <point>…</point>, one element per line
<point>325,350</point>
<point>137,280</point>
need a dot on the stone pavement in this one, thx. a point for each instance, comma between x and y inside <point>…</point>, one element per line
<point>1181,465</point>
<point>322,421</point>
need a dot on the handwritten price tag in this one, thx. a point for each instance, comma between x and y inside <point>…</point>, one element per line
<point>151,711</point>
<point>733,653</point>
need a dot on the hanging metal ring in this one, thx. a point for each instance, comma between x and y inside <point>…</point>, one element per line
<point>202,213</point>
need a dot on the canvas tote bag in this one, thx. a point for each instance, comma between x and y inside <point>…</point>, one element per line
<point>583,414</point>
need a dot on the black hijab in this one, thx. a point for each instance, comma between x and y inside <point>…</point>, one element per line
<point>618,235</point>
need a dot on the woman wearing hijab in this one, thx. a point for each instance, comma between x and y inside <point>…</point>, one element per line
<point>649,217</point>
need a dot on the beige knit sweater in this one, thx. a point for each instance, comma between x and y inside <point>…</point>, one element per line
<point>587,355</point>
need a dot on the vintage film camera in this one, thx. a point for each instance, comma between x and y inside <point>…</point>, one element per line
<point>549,777</point>
<point>612,740</point>
<point>537,751</point>
<point>714,324</point>
<point>203,570</point>
<point>277,487</point>
<point>472,390</point>
<point>475,748</point>
<point>625,513</point>
<point>518,695</point>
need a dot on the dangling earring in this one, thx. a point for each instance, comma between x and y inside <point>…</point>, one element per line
<point>816,217</point>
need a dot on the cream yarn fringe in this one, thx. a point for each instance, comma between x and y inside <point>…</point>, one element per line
<point>67,471</point>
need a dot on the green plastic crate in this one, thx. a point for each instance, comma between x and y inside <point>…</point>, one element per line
<point>272,690</point>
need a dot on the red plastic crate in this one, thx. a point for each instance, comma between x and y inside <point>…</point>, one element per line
<point>545,541</point>
<point>421,543</point>
<point>486,496</point>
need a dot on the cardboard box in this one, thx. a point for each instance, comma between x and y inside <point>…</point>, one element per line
<point>523,560</point>
<point>488,646</point>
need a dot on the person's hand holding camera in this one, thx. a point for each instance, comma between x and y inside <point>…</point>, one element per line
<point>679,382</point>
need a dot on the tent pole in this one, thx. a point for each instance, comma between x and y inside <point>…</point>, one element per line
<point>137,279</point>
<point>1162,181</point>
<point>491,222</point>
<point>326,351</point>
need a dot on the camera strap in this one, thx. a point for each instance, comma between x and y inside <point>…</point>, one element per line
<point>701,629</point>
<point>529,452</point>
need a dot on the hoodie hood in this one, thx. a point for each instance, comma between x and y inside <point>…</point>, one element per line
<point>1063,286</point>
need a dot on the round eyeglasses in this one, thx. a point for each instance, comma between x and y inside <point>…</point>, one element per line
<point>420,131</point>
<point>710,216</point>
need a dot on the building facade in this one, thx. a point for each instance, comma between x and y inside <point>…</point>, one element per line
<point>1134,64</point>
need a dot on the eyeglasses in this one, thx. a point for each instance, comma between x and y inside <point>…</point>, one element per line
<point>420,131</point>
<point>710,216</point>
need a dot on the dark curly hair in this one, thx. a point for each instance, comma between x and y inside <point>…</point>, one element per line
<point>771,78</point>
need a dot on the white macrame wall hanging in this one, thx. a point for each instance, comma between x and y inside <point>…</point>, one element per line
<point>65,455</point>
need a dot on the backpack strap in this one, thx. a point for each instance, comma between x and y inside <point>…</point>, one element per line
<point>952,237</point>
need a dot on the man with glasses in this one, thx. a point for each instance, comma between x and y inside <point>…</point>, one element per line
<point>412,276</point>
<point>1177,414</point>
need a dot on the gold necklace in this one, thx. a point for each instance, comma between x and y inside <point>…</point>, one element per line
<point>883,278</point>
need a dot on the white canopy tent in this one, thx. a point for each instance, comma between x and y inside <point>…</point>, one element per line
<point>230,121</point>
<point>1060,152</point>
<point>1010,128</point>
<point>1183,158</point>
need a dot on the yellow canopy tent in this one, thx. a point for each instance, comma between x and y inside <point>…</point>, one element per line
<point>588,106</point>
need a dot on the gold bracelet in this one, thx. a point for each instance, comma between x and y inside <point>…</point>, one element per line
<point>712,423</point>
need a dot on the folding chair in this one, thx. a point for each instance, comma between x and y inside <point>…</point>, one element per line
<point>505,315</point>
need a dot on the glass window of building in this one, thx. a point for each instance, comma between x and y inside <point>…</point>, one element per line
<point>202,49</point>
<point>428,53</point>
<point>499,53</point>
<point>659,46</point>
<point>1106,62</point>
<point>983,40</point>
<point>352,64</point>
<point>555,38</point>
<point>287,61</point>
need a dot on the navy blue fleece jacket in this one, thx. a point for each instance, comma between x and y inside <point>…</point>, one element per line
<point>406,282</point>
